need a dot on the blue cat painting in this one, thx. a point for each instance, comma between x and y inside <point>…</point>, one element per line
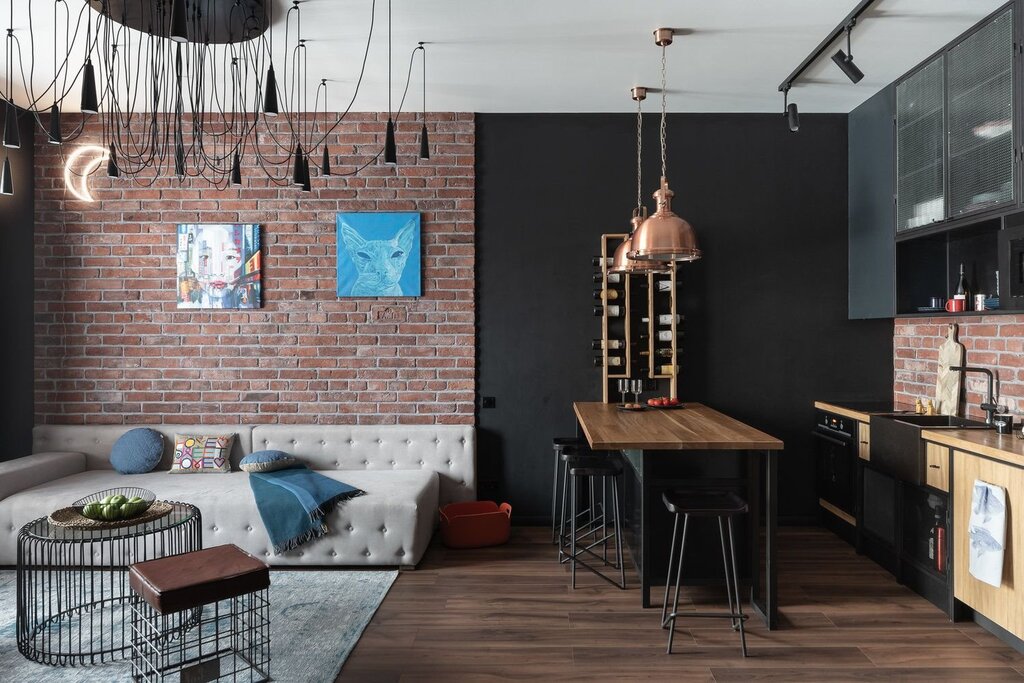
<point>379,254</point>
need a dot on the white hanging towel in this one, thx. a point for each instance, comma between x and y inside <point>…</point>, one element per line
<point>987,531</point>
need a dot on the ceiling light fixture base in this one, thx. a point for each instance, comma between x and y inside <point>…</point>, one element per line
<point>663,36</point>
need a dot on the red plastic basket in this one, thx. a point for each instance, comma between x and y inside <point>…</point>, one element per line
<point>476,524</point>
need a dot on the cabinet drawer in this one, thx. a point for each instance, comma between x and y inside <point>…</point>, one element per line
<point>937,466</point>
<point>864,440</point>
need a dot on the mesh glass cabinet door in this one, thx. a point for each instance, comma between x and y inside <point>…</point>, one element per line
<point>920,169</point>
<point>980,92</point>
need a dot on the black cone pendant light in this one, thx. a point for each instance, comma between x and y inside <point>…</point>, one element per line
<point>270,93</point>
<point>6,179</point>
<point>298,169</point>
<point>112,170</point>
<point>424,139</point>
<point>306,185</point>
<point>325,165</point>
<point>90,100</point>
<point>12,135</point>
<point>179,159</point>
<point>236,170</point>
<point>179,22</point>
<point>390,151</point>
<point>53,132</point>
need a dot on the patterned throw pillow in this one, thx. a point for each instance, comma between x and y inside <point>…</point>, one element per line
<point>202,453</point>
<point>267,461</point>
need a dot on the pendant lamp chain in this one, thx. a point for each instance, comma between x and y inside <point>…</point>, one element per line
<point>639,157</point>
<point>664,110</point>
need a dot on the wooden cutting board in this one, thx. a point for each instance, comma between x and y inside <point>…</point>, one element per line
<point>947,385</point>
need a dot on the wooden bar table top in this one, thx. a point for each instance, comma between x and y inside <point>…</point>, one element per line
<point>693,427</point>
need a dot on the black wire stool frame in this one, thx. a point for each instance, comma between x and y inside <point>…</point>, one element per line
<point>73,597</point>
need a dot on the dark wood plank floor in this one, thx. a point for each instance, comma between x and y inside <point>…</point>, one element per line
<point>508,613</point>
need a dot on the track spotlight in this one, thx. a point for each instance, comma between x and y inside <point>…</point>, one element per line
<point>790,111</point>
<point>844,60</point>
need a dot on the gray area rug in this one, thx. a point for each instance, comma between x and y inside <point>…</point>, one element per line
<point>316,619</point>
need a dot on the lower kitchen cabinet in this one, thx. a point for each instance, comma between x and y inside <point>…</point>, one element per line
<point>1003,605</point>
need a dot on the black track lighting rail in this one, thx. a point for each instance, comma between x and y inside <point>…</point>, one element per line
<point>824,45</point>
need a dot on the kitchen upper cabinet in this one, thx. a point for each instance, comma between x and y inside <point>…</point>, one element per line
<point>920,157</point>
<point>980,97</point>
<point>872,249</point>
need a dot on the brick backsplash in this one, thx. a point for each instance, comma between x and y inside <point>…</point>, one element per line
<point>995,342</point>
<point>111,346</point>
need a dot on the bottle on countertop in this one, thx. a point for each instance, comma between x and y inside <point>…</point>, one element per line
<point>962,290</point>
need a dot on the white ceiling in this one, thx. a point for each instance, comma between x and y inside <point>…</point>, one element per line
<point>584,55</point>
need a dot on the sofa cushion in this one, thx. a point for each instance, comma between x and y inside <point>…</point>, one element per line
<point>390,525</point>
<point>267,461</point>
<point>137,451</point>
<point>202,453</point>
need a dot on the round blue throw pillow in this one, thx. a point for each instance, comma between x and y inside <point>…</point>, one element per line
<point>267,461</point>
<point>137,451</point>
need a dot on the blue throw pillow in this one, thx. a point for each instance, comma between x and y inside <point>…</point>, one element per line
<point>267,461</point>
<point>137,451</point>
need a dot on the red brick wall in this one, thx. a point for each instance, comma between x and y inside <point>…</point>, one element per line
<point>995,342</point>
<point>111,346</point>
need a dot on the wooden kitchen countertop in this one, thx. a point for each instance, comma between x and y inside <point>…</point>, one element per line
<point>694,427</point>
<point>1005,447</point>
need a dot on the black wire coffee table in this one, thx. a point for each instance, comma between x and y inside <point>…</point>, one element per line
<point>73,594</point>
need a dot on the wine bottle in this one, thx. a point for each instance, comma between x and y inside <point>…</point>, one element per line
<point>661,335</point>
<point>613,278</point>
<point>613,311</point>
<point>613,361</point>
<point>668,369</point>
<point>609,294</point>
<point>664,285</point>
<point>664,319</point>
<point>596,261</point>
<point>613,344</point>
<point>962,290</point>
<point>660,353</point>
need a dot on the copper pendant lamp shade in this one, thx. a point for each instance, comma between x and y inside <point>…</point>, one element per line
<point>621,263</point>
<point>665,236</point>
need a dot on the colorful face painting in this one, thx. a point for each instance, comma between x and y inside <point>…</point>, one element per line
<point>219,266</point>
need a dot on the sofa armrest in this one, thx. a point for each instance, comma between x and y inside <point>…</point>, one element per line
<point>39,468</point>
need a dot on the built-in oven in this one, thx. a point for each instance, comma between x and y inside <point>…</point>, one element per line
<point>836,461</point>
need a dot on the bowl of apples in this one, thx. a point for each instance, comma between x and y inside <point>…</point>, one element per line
<point>664,402</point>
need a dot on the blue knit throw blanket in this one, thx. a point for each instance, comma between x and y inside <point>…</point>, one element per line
<point>294,502</point>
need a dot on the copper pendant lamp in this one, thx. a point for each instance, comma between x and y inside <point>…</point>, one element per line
<point>621,263</point>
<point>664,236</point>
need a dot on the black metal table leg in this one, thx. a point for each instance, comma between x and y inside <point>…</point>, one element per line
<point>766,605</point>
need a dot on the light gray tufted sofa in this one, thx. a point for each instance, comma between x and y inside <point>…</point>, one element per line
<point>406,471</point>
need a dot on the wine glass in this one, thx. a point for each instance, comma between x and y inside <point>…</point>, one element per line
<point>636,387</point>
<point>623,389</point>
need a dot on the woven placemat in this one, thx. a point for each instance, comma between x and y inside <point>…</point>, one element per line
<point>72,518</point>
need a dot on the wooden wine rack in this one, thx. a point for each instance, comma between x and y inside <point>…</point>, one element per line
<point>631,319</point>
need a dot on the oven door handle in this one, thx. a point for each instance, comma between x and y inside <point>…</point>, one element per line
<point>831,439</point>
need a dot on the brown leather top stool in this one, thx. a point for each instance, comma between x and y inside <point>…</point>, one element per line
<point>179,582</point>
<point>203,615</point>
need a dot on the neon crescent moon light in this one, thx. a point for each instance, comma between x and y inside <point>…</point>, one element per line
<point>79,186</point>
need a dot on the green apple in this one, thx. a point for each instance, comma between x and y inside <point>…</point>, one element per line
<point>131,509</point>
<point>135,499</point>
<point>111,512</point>
<point>118,500</point>
<point>93,511</point>
<point>107,500</point>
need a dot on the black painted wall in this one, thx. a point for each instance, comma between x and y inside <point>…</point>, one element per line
<point>16,291</point>
<point>766,309</point>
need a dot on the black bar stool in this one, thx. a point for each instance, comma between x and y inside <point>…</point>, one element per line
<point>588,518</point>
<point>585,470</point>
<point>722,505</point>
<point>560,445</point>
